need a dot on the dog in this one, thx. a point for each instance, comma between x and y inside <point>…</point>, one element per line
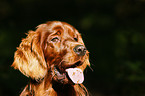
<point>53,57</point>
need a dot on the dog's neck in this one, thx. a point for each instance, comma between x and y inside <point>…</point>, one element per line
<point>51,87</point>
<point>48,87</point>
<point>64,89</point>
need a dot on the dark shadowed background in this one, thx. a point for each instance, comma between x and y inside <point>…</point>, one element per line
<point>113,31</point>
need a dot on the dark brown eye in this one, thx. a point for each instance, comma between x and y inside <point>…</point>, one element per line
<point>55,39</point>
<point>76,39</point>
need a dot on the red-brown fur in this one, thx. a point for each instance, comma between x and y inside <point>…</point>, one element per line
<point>45,51</point>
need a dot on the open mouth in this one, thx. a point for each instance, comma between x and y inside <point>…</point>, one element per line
<point>70,74</point>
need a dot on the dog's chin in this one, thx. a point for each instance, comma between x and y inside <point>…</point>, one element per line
<point>61,74</point>
<point>60,77</point>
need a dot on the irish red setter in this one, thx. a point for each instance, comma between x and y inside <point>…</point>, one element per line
<point>54,58</point>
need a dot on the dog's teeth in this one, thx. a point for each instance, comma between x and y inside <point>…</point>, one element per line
<point>76,75</point>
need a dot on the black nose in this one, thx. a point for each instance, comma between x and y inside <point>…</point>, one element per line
<point>80,50</point>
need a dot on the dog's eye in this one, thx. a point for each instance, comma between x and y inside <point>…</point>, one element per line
<point>55,39</point>
<point>76,39</point>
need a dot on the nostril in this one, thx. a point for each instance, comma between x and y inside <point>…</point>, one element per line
<point>80,50</point>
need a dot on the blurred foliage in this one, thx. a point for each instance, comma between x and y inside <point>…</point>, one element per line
<point>113,31</point>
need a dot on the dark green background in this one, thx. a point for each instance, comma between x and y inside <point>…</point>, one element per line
<point>113,31</point>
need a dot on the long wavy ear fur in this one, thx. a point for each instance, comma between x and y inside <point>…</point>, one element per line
<point>29,57</point>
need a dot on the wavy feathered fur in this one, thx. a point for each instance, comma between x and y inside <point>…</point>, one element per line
<point>44,55</point>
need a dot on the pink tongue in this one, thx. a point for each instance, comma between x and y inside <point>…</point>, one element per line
<point>76,75</point>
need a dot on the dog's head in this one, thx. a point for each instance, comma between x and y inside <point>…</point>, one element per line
<point>55,48</point>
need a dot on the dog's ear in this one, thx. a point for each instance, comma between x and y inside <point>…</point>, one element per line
<point>29,57</point>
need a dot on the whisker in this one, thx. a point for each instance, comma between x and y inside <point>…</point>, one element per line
<point>91,68</point>
<point>91,64</point>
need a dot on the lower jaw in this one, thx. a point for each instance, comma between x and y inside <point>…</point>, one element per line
<point>61,78</point>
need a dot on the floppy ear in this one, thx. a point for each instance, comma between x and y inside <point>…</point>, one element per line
<point>29,57</point>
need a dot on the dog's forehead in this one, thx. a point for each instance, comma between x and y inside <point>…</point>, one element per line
<point>66,28</point>
<point>70,30</point>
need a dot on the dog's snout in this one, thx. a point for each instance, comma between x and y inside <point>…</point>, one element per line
<point>80,50</point>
